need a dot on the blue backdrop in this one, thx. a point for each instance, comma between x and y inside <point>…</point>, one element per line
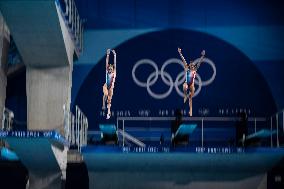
<point>238,84</point>
<point>245,40</point>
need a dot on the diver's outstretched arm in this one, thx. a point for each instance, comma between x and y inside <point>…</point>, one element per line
<point>200,59</point>
<point>114,59</point>
<point>107,58</point>
<point>182,57</point>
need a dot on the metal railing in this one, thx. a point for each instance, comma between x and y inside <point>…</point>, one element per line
<point>201,120</point>
<point>75,127</point>
<point>7,119</point>
<point>277,123</point>
<point>73,22</point>
<point>130,138</point>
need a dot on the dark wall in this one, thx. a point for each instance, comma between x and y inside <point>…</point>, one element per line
<point>16,98</point>
<point>109,14</point>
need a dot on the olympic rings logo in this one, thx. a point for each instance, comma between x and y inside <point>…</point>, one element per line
<point>168,80</point>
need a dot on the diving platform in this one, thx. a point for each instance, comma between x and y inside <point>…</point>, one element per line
<point>44,154</point>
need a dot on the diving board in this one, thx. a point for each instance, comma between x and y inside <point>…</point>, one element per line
<point>108,134</point>
<point>109,129</point>
<point>36,149</point>
<point>181,136</point>
<point>185,129</point>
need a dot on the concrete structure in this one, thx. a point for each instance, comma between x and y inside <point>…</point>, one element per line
<point>47,91</point>
<point>47,40</point>
<point>46,46</point>
<point>4,46</point>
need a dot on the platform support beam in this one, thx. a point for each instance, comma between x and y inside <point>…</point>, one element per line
<point>48,90</point>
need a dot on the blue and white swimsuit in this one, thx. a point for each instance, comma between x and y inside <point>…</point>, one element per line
<point>190,76</point>
<point>110,80</point>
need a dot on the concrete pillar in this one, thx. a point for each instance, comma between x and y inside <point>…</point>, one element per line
<point>48,89</point>
<point>4,47</point>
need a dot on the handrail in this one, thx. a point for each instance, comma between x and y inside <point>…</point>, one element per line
<point>75,127</point>
<point>73,22</point>
<point>275,119</point>
<point>201,119</point>
<point>7,119</point>
<point>131,138</point>
<point>262,119</point>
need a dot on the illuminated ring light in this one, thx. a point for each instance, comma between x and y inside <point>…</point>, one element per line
<point>171,61</point>
<point>145,61</point>
<point>168,80</point>
<point>159,96</point>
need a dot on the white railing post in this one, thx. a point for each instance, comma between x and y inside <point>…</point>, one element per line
<point>80,138</point>
<point>3,119</point>
<point>73,129</point>
<point>77,30</point>
<point>11,117</point>
<point>78,128</point>
<point>75,21</point>
<point>73,15</point>
<point>83,132</point>
<point>75,25</point>
<point>78,131</point>
<point>66,8</point>
<point>70,13</point>
<point>87,132</point>
<point>86,136</point>
<point>70,127</point>
<point>7,119</point>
